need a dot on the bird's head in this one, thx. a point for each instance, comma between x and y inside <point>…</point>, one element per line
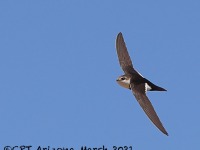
<point>124,81</point>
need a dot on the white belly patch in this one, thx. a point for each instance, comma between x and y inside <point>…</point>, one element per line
<point>147,87</point>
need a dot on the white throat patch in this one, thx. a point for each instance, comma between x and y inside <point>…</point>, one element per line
<point>124,83</point>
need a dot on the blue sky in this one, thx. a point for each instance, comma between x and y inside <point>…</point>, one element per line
<point>58,70</point>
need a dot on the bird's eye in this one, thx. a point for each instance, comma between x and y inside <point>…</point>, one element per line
<point>122,78</point>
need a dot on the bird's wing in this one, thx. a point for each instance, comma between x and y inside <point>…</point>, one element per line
<point>124,58</point>
<point>139,93</point>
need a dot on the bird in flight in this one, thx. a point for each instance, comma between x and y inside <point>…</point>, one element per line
<point>139,85</point>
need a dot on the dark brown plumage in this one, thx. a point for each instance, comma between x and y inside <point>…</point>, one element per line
<point>140,95</point>
<point>138,83</point>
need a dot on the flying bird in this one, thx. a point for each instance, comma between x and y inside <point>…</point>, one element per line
<point>139,85</point>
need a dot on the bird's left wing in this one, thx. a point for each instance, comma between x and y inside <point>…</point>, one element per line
<point>122,52</point>
<point>124,58</point>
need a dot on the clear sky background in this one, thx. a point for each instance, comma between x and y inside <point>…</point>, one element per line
<point>58,70</point>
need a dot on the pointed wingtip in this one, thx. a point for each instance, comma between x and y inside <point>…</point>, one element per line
<point>119,38</point>
<point>164,131</point>
<point>119,34</point>
<point>166,134</point>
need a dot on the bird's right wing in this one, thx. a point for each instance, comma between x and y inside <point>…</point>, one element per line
<point>140,95</point>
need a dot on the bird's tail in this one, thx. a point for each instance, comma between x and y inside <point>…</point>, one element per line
<point>155,87</point>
